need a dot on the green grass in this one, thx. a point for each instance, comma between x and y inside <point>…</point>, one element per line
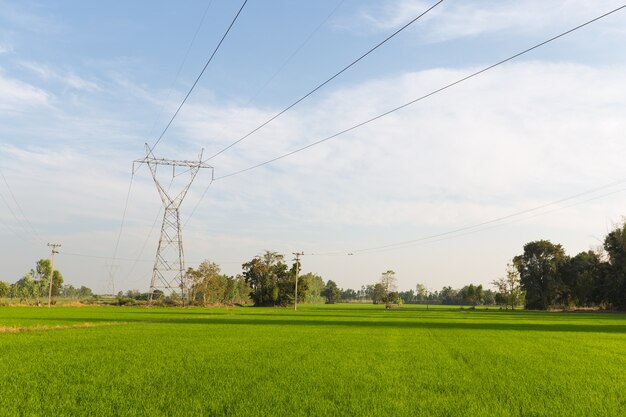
<point>338,360</point>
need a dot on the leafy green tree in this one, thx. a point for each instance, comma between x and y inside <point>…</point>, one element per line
<point>26,288</point>
<point>206,283</point>
<point>269,279</point>
<point>614,282</point>
<point>472,295</point>
<point>377,293</point>
<point>348,295</point>
<point>316,285</point>
<point>540,269</point>
<point>421,293</point>
<point>331,292</point>
<point>392,298</point>
<point>449,296</point>
<point>407,296</point>
<point>489,298</point>
<point>583,276</point>
<point>84,292</point>
<point>4,289</point>
<point>243,290</point>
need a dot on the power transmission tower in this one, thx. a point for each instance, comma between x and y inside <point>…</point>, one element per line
<point>297,259</point>
<point>168,274</point>
<point>54,247</point>
<point>110,283</point>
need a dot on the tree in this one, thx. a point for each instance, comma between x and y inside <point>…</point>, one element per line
<point>421,293</point>
<point>316,286</point>
<point>84,292</point>
<point>407,296</point>
<point>489,298</point>
<point>389,282</point>
<point>583,276</point>
<point>26,288</point>
<point>509,290</point>
<point>269,279</point>
<point>471,294</point>
<point>377,293</point>
<point>540,268</point>
<point>331,292</point>
<point>348,295</point>
<point>449,296</point>
<point>615,282</point>
<point>4,289</point>
<point>243,290</point>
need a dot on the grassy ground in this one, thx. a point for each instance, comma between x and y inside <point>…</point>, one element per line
<point>322,360</point>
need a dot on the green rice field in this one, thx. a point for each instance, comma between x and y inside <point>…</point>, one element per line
<point>323,360</point>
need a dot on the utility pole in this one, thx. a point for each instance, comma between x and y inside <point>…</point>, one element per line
<point>297,259</point>
<point>54,246</point>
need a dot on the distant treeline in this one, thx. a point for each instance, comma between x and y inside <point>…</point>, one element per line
<point>35,286</point>
<point>542,277</point>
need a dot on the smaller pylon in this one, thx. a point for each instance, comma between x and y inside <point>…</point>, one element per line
<point>110,281</point>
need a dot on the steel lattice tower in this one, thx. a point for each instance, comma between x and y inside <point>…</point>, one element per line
<point>168,274</point>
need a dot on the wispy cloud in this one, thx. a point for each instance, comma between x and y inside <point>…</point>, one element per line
<point>460,19</point>
<point>67,78</point>
<point>16,95</point>
<point>521,125</point>
<point>5,48</point>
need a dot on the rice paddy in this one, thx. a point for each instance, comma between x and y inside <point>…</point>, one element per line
<point>323,360</point>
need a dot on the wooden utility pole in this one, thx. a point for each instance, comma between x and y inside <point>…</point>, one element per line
<point>54,246</point>
<point>298,255</point>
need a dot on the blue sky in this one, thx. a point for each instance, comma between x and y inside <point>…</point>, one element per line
<point>83,85</point>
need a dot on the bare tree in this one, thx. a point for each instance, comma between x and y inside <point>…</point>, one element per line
<point>509,286</point>
<point>388,279</point>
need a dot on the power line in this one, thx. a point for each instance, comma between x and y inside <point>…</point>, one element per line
<point>451,234</point>
<point>119,235</point>
<point>325,82</point>
<point>32,232</point>
<point>295,52</point>
<point>108,258</point>
<point>479,227</point>
<point>447,86</point>
<point>199,75</point>
<point>182,64</point>
<point>269,80</point>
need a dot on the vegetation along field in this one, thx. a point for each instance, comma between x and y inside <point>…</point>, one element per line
<point>335,360</point>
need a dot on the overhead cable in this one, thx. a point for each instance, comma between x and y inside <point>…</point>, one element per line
<point>277,115</point>
<point>28,231</point>
<point>199,75</point>
<point>182,64</point>
<point>494,222</point>
<point>439,90</point>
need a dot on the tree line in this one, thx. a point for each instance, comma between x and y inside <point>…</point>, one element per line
<point>594,278</point>
<point>34,286</point>
<point>540,278</point>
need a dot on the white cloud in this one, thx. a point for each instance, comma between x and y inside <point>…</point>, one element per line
<point>5,48</point>
<point>16,95</point>
<point>521,136</point>
<point>67,78</point>
<point>453,20</point>
<point>517,137</point>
